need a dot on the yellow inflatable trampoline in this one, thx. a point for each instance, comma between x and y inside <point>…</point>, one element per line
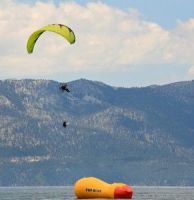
<point>90,187</point>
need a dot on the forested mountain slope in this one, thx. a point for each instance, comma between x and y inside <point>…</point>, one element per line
<point>142,136</point>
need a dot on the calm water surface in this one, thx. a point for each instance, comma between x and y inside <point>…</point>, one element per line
<point>66,193</point>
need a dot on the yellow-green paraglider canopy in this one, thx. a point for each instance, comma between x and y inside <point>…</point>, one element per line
<point>60,29</point>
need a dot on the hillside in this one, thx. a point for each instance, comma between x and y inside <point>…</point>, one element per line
<point>142,136</point>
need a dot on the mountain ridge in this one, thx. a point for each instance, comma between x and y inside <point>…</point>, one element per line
<point>142,136</point>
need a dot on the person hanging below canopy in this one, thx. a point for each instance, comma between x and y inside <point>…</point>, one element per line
<point>65,124</point>
<point>63,87</point>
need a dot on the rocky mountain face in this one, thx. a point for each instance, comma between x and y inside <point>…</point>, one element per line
<point>141,136</point>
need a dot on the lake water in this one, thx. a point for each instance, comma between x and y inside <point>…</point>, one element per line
<point>66,193</point>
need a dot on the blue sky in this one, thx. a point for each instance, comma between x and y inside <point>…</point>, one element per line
<point>122,43</point>
<point>164,12</point>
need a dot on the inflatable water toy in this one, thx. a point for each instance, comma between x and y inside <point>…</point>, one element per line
<point>91,187</point>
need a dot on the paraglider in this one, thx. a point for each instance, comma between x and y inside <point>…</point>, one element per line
<point>63,87</point>
<point>60,29</point>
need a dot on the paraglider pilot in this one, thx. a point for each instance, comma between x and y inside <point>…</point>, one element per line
<point>63,87</point>
<point>64,124</point>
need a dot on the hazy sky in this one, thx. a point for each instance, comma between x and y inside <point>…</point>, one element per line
<point>122,43</point>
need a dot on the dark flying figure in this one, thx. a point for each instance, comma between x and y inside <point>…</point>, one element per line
<point>63,87</point>
<point>64,124</point>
